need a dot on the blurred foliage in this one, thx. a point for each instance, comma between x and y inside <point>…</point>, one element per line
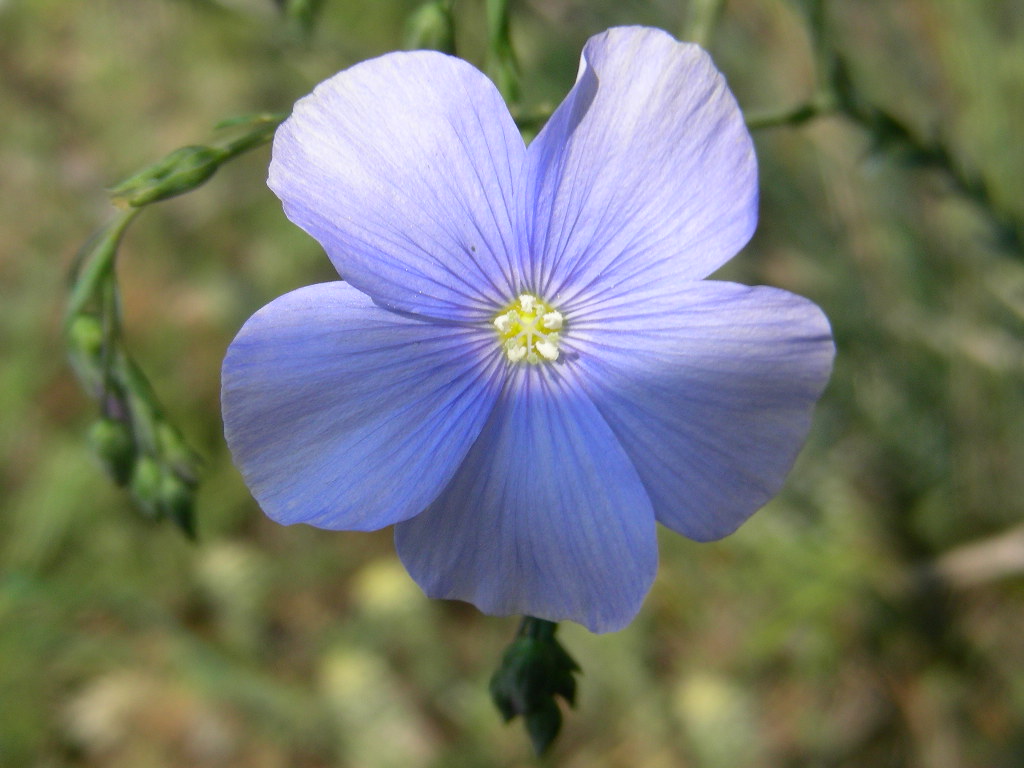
<point>870,616</point>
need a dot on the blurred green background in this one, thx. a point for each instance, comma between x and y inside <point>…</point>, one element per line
<point>872,615</point>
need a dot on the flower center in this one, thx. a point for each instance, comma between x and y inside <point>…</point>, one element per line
<point>528,329</point>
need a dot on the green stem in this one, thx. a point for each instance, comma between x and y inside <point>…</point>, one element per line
<point>889,131</point>
<point>95,262</point>
<point>703,18</point>
<point>792,116</point>
<point>501,60</point>
<point>265,125</point>
<point>537,629</point>
<point>110,317</point>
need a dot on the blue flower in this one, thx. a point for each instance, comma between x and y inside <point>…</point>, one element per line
<point>524,368</point>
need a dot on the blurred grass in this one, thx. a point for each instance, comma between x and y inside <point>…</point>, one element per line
<point>816,636</point>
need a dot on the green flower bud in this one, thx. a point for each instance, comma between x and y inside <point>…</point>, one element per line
<point>510,686</point>
<point>534,671</point>
<point>176,500</point>
<point>543,725</point>
<point>112,442</point>
<point>431,26</point>
<point>145,485</point>
<point>182,170</point>
<point>85,336</point>
<point>175,451</point>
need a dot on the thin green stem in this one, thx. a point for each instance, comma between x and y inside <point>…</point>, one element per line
<point>702,20</point>
<point>792,116</point>
<point>94,263</point>
<point>501,59</point>
<point>839,95</point>
<point>890,132</point>
<point>262,132</point>
<point>110,317</point>
<point>537,629</point>
<point>133,439</point>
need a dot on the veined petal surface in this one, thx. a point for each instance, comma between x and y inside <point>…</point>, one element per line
<point>546,517</point>
<point>710,392</point>
<point>345,415</point>
<point>645,175</point>
<point>402,167</point>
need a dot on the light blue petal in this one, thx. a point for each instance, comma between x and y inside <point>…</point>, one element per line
<point>710,392</point>
<point>345,415</point>
<point>546,517</point>
<point>645,175</point>
<point>402,167</point>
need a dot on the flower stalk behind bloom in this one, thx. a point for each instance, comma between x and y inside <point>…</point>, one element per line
<point>525,369</point>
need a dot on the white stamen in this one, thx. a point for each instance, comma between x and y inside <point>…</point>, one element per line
<point>529,330</point>
<point>552,320</point>
<point>547,350</point>
<point>503,322</point>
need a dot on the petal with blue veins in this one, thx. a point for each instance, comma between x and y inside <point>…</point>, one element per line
<point>644,175</point>
<point>710,392</point>
<point>547,516</point>
<point>345,415</point>
<point>403,167</point>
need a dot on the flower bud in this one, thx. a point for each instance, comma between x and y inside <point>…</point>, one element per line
<point>175,451</point>
<point>176,500</point>
<point>534,670</point>
<point>145,485</point>
<point>543,725</point>
<point>182,170</point>
<point>112,442</point>
<point>85,336</point>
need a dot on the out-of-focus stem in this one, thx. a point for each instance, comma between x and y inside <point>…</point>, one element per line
<point>95,261</point>
<point>501,59</point>
<point>792,116</point>
<point>703,17</point>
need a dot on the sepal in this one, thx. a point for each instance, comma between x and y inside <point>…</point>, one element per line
<point>534,671</point>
